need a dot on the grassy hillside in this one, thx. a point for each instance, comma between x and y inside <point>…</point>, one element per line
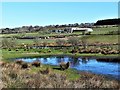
<point>103,38</point>
<point>104,30</point>
<point>96,36</point>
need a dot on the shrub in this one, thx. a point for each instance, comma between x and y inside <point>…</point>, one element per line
<point>46,71</point>
<point>24,65</point>
<point>19,62</point>
<point>64,66</point>
<point>36,63</point>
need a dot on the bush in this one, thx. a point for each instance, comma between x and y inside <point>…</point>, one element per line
<point>19,62</point>
<point>24,65</point>
<point>36,63</point>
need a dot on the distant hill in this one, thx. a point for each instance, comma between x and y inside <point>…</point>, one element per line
<point>108,22</point>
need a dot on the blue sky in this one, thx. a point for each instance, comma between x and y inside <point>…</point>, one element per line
<point>16,14</point>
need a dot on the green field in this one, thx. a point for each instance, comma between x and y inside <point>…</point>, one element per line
<point>104,30</point>
<point>96,36</point>
<point>90,39</point>
<point>95,31</point>
<point>103,38</point>
<point>31,41</point>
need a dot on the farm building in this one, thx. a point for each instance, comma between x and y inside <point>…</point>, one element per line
<point>74,29</point>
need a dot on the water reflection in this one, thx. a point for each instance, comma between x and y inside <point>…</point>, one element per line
<point>104,66</point>
<point>116,60</point>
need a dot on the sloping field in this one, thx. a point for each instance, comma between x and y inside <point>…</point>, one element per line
<point>104,30</point>
<point>103,38</point>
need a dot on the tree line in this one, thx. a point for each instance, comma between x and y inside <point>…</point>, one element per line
<point>43,29</point>
<point>108,22</point>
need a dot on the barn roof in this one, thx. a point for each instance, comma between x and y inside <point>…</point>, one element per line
<point>82,29</point>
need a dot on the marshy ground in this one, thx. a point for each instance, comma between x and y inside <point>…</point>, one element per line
<point>13,76</point>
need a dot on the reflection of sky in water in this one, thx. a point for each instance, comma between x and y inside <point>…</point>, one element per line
<point>98,67</point>
<point>51,61</point>
<point>85,64</point>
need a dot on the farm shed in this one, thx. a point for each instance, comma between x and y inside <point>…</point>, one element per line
<point>80,30</point>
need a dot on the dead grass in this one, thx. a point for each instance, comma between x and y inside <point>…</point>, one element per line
<point>15,77</point>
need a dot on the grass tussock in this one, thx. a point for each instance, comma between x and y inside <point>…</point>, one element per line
<point>13,76</point>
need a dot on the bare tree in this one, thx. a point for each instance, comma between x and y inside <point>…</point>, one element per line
<point>8,43</point>
<point>60,42</point>
<point>36,41</point>
<point>44,44</point>
<point>74,41</point>
<point>5,43</point>
<point>84,42</point>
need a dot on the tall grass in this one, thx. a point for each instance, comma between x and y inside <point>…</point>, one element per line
<point>15,77</point>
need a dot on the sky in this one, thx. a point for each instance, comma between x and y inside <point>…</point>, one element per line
<point>17,14</point>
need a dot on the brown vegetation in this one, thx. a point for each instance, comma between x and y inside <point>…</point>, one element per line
<point>15,77</point>
<point>46,71</point>
<point>2,63</point>
<point>36,63</point>
<point>24,65</point>
<point>64,66</point>
<point>19,62</point>
<point>104,51</point>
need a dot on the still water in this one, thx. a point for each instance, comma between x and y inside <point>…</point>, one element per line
<point>95,65</point>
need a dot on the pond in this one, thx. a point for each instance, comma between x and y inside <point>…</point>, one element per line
<point>103,66</point>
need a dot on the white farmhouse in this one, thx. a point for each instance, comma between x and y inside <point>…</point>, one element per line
<point>84,30</point>
<point>74,29</point>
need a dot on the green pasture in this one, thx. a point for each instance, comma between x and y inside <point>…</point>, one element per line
<point>102,38</point>
<point>89,38</point>
<point>94,37</point>
<point>37,34</point>
<point>31,41</point>
<point>103,30</point>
